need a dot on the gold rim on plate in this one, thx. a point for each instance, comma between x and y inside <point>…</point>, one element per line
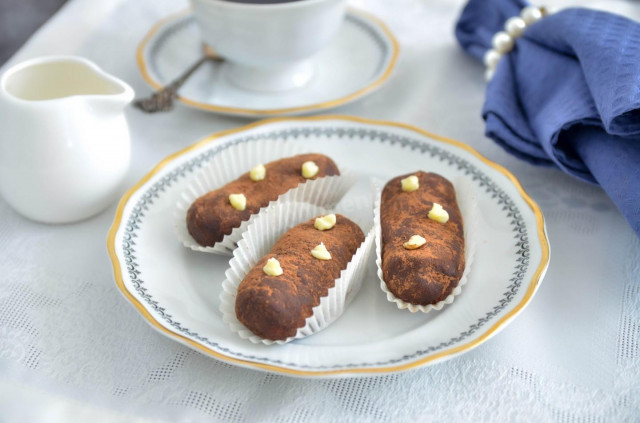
<point>142,65</point>
<point>533,284</point>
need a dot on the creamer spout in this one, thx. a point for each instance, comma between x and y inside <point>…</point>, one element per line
<point>54,79</point>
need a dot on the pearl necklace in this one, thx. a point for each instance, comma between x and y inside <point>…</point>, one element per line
<point>504,41</point>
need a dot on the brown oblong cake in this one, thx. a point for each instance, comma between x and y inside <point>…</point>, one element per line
<point>422,238</point>
<point>214,215</point>
<point>273,304</point>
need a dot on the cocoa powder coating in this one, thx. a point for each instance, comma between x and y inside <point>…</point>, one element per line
<point>430,273</point>
<point>211,217</point>
<point>274,307</point>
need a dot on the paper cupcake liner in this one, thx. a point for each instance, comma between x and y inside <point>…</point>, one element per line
<point>469,209</point>
<point>270,224</point>
<point>231,164</point>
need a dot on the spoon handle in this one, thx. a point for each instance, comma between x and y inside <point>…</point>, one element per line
<point>162,101</point>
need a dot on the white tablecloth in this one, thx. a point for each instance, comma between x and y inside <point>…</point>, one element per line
<point>72,349</point>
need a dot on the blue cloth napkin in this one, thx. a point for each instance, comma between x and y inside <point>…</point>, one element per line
<point>568,94</point>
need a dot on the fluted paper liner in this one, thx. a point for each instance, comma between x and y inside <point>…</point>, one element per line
<point>260,236</point>
<point>238,159</point>
<point>469,209</point>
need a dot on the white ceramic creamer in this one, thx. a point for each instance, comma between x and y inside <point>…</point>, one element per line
<point>64,140</point>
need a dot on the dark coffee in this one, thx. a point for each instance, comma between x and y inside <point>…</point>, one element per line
<point>262,1</point>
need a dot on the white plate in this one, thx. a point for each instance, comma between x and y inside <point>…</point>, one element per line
<point>358,60</point>
<point>177,290</point>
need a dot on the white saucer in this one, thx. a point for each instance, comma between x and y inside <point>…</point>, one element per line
<point>358,60</point>
<point>178,290</point>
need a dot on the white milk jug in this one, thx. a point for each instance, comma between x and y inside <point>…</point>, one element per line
<point>64,139</point>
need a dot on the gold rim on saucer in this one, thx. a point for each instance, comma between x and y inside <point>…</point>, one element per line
<point>144,69</point>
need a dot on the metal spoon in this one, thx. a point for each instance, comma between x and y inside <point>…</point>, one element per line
<point>162,101</point>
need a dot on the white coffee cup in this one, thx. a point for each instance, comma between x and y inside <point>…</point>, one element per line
<point>268,46</point>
